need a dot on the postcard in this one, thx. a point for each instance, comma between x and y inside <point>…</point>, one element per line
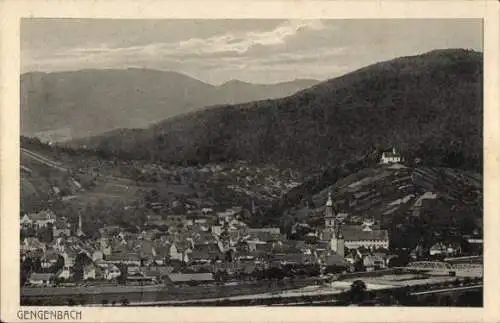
<point>277,161</point>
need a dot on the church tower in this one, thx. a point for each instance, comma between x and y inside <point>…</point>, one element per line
<point>337,243</point>
<point>329,213</point>
<point>79,231</point>
<point>224,238</point>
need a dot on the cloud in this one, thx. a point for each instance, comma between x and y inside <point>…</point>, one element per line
<point>241,43</point>
<point>251,50</point>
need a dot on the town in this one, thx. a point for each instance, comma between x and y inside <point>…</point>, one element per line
<point>205,246</point>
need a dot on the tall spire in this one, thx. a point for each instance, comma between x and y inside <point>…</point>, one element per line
<point>79,231</point>
<point>329,202</point>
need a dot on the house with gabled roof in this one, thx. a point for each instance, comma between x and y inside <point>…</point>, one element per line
<point>110,271</point>
<point>61,228</point>
<point>65,273</point>
<point>296,258</point>
<point>40,219</point>
<point>91,271</point>
<point>205,253</point>
<point>109,230</point>
<point>129,258</point>
<point>374,262</point>
<point>49,258</point>
<point>32,244</point>
<point>145,248</point>
<point>69,256</point>
<point>180,250</point>
<point>25,221</point>
<point>162,250</point>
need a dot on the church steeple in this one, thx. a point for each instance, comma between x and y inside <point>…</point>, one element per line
<point>329,212</point>
<point>79,231</point>
<point>224,237</point>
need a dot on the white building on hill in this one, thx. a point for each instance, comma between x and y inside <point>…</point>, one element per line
<point>390,157</point>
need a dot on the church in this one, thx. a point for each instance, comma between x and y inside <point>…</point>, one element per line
<point>390,157</point>
<point>338,236</point>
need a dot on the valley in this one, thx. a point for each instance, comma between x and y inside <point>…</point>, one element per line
<point>375,170</point>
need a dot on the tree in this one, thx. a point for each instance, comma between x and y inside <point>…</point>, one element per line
<point>27,265</point>
<point>229,255</point>
<point>400,260</point>
<point>58,265</point>
<point>46,234</point>
<point>81,260</point>
<point>23,277</point>
<point>122,279</point>
<point>37,265</point>
<point>358,265</point>
<point>357,293</point>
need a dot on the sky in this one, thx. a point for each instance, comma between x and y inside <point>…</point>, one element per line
<point>256,51</point>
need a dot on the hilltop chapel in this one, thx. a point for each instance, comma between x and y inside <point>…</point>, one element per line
<point>390,157</point>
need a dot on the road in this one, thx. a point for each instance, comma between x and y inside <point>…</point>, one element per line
<point>44,160</point>
<point>120,181</point>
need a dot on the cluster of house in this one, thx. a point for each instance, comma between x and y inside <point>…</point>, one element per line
<point>196,247</point>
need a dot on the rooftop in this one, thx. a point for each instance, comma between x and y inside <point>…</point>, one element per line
<point>186,277</point>
<point>358,234</point>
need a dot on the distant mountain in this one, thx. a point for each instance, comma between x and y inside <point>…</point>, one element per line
<point>234,91</point>
<point>65,105</point>
<point>429,106</point>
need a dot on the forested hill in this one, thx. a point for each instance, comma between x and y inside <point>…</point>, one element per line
<point>429,106</point>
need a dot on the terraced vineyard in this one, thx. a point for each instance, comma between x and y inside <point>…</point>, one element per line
<point>404,200</point>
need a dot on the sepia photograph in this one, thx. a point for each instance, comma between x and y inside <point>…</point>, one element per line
<point>251,162</point>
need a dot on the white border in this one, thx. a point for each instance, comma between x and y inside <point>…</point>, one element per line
<point>10,13</point>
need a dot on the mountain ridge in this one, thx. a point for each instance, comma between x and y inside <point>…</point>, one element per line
<point>429,106</point>
<point>75,104</point>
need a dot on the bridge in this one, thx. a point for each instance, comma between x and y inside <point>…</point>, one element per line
<point>444,267</point>
<point>429,265</point>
